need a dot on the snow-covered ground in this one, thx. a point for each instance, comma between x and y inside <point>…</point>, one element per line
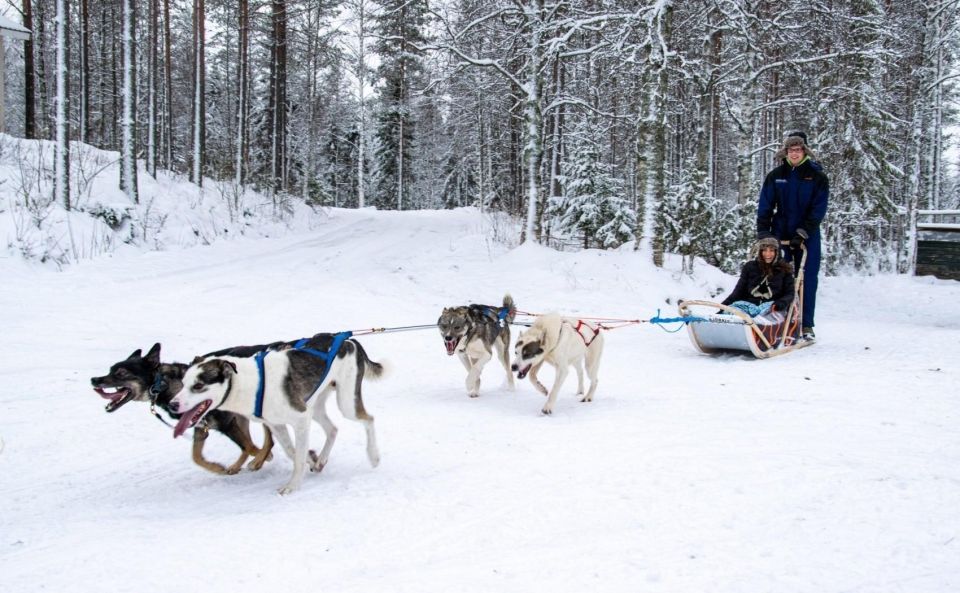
<point>832,469</point>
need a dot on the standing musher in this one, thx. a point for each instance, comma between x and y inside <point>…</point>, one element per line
<point>793,202</point>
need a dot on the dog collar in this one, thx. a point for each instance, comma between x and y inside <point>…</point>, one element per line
<point>159,386</point>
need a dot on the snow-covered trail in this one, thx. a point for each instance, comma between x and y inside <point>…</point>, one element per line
<point>832,469</point>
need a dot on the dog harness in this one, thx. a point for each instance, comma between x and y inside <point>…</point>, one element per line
<point>580,324</point>
<point>501,313</point>
<point>300,345</point>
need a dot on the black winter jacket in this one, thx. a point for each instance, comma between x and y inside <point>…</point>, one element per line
<point>756,288</point>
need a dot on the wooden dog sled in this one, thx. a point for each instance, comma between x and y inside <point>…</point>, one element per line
<point>764,336</point>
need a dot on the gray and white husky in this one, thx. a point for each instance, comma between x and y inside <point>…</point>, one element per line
<point>473,332</point>
<point>291,393</point>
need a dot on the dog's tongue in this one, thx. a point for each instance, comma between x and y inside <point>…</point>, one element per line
<point>451,345</point>
<point>113,396</point>
<point>186,421</point>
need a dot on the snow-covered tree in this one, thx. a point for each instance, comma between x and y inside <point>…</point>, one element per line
<point>593,207</point>
<point>399,28</point>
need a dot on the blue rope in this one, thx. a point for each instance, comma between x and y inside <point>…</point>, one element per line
<point>682,320</point>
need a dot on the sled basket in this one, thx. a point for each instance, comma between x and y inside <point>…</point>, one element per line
<point>764,336</point>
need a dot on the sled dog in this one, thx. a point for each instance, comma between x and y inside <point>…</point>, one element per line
<point>562,342</point>
<point>292,389</point>
<point>145,378</point>
<point>472,332</point>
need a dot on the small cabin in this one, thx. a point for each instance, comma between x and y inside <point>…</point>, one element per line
<point>938,244</point>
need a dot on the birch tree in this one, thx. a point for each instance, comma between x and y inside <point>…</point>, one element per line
<point>128,146</point>
<point>153,75</point>
<point>243,93</point>
<point>166,127</point>
<point>198,108</point>
<point>356,46</point>
<point>61,165</point>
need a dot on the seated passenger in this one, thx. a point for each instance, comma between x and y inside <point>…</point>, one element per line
<point>766,283</point>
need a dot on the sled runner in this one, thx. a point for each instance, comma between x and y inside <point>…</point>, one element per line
<point>764,336</point>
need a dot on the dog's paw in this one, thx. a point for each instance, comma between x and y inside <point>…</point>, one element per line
<point>586,398</point>
<point>316,464</point>
<point>286,490</point>
<point>473,395</point>
<point>546,411</point>
<point>542,389</point>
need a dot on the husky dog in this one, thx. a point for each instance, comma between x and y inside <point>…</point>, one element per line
<point>472,332</point>
<point>292,389</point>
<point>561,342</point>
<point>145,378</point>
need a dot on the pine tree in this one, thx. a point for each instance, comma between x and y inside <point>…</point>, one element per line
<point>593,205</point>
<point>399,25</point>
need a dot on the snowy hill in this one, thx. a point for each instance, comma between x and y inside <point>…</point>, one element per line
<point>831,469</point>
<point>171,213</point>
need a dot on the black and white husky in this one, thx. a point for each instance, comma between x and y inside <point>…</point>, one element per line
<point>472,332</point>
<point>563,343</point>
<point>145,378</point>
<point>284,387</point>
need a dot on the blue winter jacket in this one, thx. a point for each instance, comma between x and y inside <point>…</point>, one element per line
<point>791,199</point>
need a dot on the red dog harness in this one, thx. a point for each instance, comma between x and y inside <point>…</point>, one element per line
<point>594,331</point>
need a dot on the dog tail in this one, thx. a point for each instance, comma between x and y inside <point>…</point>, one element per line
<point>511,308</point>
<point>374,370</point>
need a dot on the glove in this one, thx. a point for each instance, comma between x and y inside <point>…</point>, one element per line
<point>798,238</point>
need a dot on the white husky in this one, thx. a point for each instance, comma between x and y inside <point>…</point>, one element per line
<point>562,342</point>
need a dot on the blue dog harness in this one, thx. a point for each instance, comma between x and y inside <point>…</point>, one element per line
<point>300,345</point>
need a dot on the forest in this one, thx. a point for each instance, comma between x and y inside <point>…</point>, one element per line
<point>595,124</point>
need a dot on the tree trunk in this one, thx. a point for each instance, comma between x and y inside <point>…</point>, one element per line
<point>29,77</point>
<point>167,132</point>
<point>243,90</point>
<point>115,90</point>
<point>84,135</point>
<point>152,79</point>
<point>278,96</point>
<point>128,126</point>
<point>61,179</point>
<point>39,36</point>
<point>198,112</point>
<point>533,124</point>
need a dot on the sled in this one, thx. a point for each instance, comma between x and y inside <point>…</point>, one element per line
<point>763,336</point>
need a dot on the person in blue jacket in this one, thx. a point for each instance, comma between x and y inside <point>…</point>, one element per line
<point>793,202</point>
